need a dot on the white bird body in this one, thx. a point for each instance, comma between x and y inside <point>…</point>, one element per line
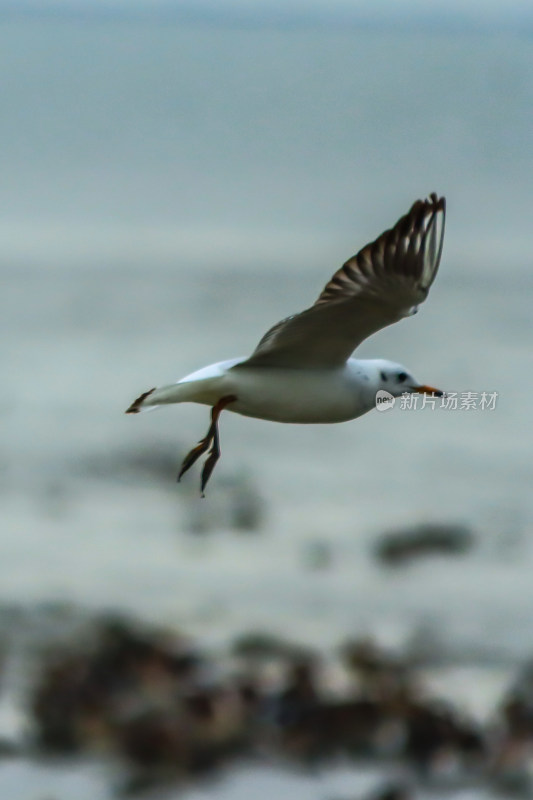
<point>302,370</point>
<point>281,395</point>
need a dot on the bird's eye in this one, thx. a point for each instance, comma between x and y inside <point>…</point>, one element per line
<point>383,376</point>
<point>402,376</point>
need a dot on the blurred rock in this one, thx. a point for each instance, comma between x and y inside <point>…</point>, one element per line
<point>158,462</point>
<point>232,503</point>
<point>258,646</point>
<point>164,713</point>
<point>398,547</point>
<point>375,669</point>
<point>392,791</point>
<point>395,790</point>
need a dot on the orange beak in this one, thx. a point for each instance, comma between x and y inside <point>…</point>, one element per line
<point>429,390</point>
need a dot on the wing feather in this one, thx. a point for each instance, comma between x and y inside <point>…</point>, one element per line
<point>378,286</point>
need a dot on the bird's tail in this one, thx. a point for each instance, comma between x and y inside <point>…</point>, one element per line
<point>148,401</point>
<point>142,403</point>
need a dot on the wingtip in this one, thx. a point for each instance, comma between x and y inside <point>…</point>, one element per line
<point>438,203</point>
<point>136,405</point>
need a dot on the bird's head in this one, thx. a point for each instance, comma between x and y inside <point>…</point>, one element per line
<point>397,380</point>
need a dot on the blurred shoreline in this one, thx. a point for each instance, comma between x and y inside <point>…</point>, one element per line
<point>154,710</point>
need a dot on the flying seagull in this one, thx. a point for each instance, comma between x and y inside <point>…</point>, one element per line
<point>302,371</point>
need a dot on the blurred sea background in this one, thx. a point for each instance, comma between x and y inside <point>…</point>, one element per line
<point>175,179</point>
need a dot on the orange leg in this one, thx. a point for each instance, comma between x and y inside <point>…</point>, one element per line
<point>210,440</point>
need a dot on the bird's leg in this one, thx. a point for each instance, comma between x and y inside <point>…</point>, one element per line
<point>194,454</point>
<point>210,439</point>
<point>211,460</point>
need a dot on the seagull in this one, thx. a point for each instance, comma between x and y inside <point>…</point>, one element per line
<point>302,370</point>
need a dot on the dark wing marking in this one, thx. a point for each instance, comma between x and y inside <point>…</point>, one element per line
<point>384,282</point>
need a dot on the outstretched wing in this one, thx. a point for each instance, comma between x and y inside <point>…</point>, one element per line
<point>384,282</point>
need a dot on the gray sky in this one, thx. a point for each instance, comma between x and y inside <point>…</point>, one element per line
<point>184,139</point>
<point>470,13</point>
